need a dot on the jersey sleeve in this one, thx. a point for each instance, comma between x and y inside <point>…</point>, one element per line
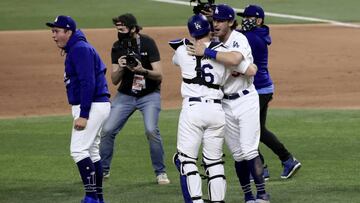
<point>243,66</point>
<point>84,63</point>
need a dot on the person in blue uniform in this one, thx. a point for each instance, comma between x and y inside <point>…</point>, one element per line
<point>258,35</point>
<point>88,94</point>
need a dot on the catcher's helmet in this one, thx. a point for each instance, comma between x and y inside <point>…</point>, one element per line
<point>223,12</point>
<point>198,25</point>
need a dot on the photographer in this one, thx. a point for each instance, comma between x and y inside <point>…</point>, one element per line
<point>136,67</point>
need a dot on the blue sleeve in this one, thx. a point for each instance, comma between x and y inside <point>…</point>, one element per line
<point>84,62</point>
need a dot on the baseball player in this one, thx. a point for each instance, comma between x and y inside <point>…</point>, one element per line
<point>202,118</point>
<point>240,103</point>
<point>258,35</point>
<point>88,94</point>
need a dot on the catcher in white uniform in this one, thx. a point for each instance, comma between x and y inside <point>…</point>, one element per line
<point>240,103</point>
<point>202,118</point>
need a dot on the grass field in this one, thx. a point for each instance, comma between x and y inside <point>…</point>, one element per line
<point>32,14</point>
<point>36,165</point>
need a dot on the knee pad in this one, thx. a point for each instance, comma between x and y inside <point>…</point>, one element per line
<point>214,169</point>
<point>190,180</point>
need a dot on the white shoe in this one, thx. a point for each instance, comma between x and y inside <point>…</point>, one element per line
<point>106,174</point>
<point>162,179</point>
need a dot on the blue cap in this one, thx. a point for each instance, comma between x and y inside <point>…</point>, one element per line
<point>252,11</point>
<point>198,25</point>
<point>65,22</point>
<point>223,12</point>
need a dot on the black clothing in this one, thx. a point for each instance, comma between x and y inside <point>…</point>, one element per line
<point>267,137</point>
<point>148,53</point>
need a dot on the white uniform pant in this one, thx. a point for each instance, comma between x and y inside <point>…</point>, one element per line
<point>85,143</point>
<point>201,123</point>
<point>242,130</point>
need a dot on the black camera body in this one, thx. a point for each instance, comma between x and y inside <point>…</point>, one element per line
<point>130,45</point>
<point>131,60</point>
<point>206,6</point>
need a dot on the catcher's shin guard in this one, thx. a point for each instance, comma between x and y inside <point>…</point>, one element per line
<point>214,169</point>
<point>190,180</point>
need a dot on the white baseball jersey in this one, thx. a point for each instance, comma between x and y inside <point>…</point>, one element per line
<point>205,118</point>
<point>202,121</point>
<point>236,80</point>
<point>213,72</point>
<point>242,131</point>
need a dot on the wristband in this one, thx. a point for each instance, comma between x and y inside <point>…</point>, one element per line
<point>210,53</point>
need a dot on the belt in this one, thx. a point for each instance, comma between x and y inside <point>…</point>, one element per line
<point>199,99</point>
<point>236,95</point>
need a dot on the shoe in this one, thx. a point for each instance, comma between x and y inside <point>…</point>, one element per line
<point>263,198</point>
<point>291,166</point>
<point>249,198</point>
<point>266,174</point>
<point>89,200</point>
<point>106,174</point>
<point>162,179</point>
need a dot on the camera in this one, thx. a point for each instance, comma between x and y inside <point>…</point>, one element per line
<point>131,60</point>
<point>130,45</point>
<point>206,6</point>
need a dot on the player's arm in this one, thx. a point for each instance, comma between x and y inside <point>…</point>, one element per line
<point>231,58</point>
<point>251,70</point>
<point>246,67</point>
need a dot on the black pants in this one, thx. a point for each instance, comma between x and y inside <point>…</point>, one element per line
<point>266,136</point>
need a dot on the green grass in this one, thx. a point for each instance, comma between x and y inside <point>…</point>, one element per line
<point>36,165</point>
<point>32,14</point>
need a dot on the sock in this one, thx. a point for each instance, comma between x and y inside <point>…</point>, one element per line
<point>256,170</point>
<point>243,173</point>
<point>87,172</point>
<point>99,179</point>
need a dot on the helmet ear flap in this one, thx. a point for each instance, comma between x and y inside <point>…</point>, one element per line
<point>198,26</point>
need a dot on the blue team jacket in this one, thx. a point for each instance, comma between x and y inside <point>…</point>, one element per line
<point>84,74</point>
<point>259,40</point>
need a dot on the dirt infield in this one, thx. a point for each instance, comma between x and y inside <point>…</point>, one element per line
<point>313,66</point>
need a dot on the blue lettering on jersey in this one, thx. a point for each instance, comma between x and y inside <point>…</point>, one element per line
<point>235,44</point>
<point>207,76</point>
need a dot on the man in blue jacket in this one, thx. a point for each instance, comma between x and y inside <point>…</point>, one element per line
<point>258,35</point>
<point>87,92</point>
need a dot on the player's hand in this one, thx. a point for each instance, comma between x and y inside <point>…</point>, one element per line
<point>197,49</point>
<point>122,61</point>
<point>80,123</point>
<point>137,69</point>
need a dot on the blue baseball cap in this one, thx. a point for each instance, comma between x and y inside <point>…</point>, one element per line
<point>65,22</point>
<point>252,11</point>
<point>223,12</point>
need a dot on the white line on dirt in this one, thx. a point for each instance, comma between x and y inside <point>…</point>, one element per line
<point>279,15</point>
